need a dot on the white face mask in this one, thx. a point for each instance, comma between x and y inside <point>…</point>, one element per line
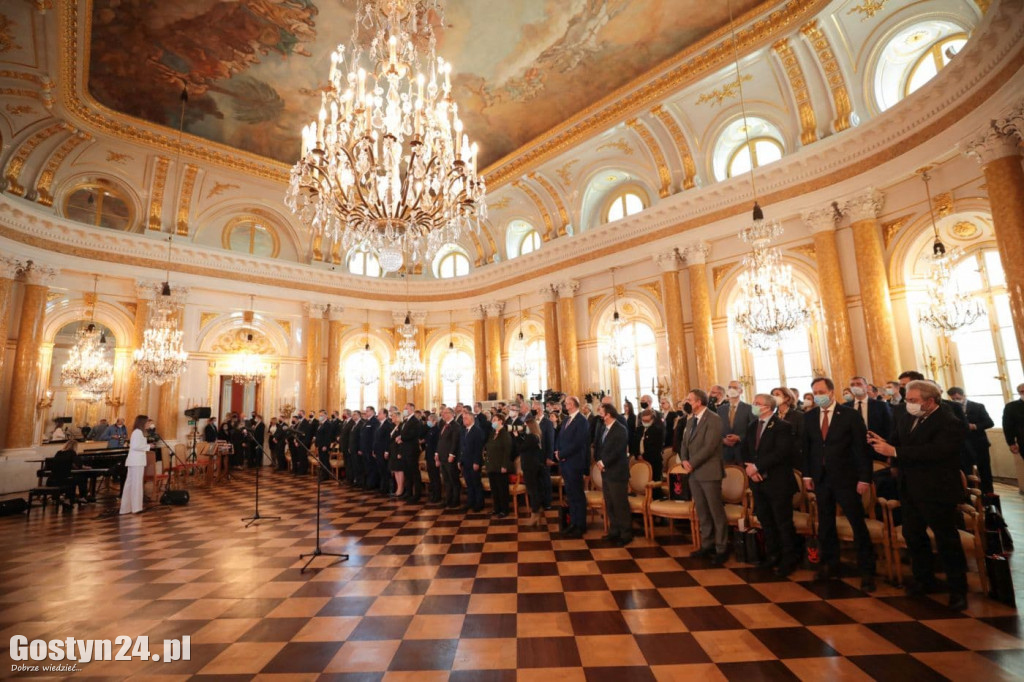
<point>647,424</point>
<point>732,393</point>
<point>857,391</point>
<point>913,409</point>
<point>808,403</point>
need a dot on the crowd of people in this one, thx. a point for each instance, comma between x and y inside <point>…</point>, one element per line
<point>903,438</point>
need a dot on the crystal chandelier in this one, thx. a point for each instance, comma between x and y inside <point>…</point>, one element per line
<point>948,309</point>
<point>619,351</point>
<point>367,368</point>
<point>451,366</point>
<point>521,367</point>
<point>162,356</point>
<point>408,370</point>
<point>770,306</point>
<point>249,366</point>
<point>88,368</point>
<point>386,167</point>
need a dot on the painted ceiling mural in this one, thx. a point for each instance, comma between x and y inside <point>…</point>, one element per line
<point>254,67</point>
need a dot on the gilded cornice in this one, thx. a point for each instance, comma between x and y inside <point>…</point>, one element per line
<point>798,85</point>
<point>31,94</point>
<point>553,193</point>
<point>156,202</point>
<point>833,74</point>
<point>44,184</point>
<point>17,161</point>
<point>672,126</point>
<point>549,231</point>
<point>659,158</point>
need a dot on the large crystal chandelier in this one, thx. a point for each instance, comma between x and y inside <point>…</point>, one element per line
<point>948,309</point>
<point>408,370</point>
<point>385,166</point>
<point>451,366</point>
<point>620,351</point>
<point>162,356</point>
<point>770,306</point>
<point>249,367</point>
<point>88,368</point>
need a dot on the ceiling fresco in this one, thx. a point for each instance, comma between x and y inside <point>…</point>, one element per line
<point>254,67</point>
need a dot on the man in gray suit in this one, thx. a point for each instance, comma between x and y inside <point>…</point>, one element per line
<point>737,416</point>
<point>701,457</point>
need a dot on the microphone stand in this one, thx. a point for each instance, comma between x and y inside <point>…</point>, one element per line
<point>319,483</point>
<point>256,512</point>
<point>174,456</point>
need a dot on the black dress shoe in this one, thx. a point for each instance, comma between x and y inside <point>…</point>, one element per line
<point>769,562</point>
<point>574,533</point>
<point>957,601</point>
<point>702,553</point>
<point>784,570</point>
<point>867,583</point>
<point>609,536</point>
<point>622,542</point>
<point>827,572</point>
<point>719,559</point>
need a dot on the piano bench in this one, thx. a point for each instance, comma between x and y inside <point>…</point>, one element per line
<point>44,493</point>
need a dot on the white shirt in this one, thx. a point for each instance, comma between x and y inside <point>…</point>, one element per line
<point>863,408</point>
<point>830,411</point>
<point>137,448</point>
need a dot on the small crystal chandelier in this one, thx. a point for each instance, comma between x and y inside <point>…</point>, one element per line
<point>249,366</point>
<point>88,368</point>
<point>620,352</point>
<point>770,306</point>
<point>386,167</point>
<point>521,367</point>
<point>948,309</point>
<point>451,366</point>
<point>408,370</point>
<point>367,368</point>
<point>162,356</point>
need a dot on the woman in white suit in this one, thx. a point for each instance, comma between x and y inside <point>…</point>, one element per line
<point>131,494</point>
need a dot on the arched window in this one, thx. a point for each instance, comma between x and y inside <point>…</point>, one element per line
<point>453,392</point>
<point>790,365</point>
<point>254,237</point>
<point>734,155</point>
<point>635,378</point>
<point>987,351</point>
<point>913,57</point>
<point>364,263</point>
<point>521,238</point>
<point>451,263</point>
<point>357,395</point>
<point>529,243</point>
<point>624,205</point>
<point>536,360</point>
<point>100,204</point>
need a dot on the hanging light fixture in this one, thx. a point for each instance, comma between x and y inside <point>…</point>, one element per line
<point>408,370</point>
<point>451,366</point>
<point>948,309</point>
<point>88,368</point>
<point>770,306</point>
<point>162,356</point>
<point>619,351</point>
<point>249,366</point>
<point>367,367</point>
<point>521,367</point>
<point>386,167</point>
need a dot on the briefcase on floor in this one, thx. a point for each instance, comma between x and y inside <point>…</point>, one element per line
<point>754,540</point>
<point>679,487</point>
<point>1000,580</point>
<point>739,546</point>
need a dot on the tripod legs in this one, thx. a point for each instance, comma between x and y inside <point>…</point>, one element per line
<point>256,513</point>
<point>317,551</point>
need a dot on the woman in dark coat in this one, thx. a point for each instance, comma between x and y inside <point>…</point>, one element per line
<point>531,457</point>
<point>498,461</point>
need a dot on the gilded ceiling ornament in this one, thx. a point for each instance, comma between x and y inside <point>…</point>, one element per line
<point>17,161</point>
<point>965,230</point>
<point>49,172</point>
<point>206,318</point>
<point>286,325</point>
<point>185,199</point>
<point>7,35</point>
<point>830,66</point>
<point>562,213</point>
<point>892,228</point>
<point>670,123</point>
<point>943,204</point>
<point>806,250</point>
<point>19,109</point>
<point>156,201</point>
<point>118,157</point>
<point>236,341</point>
<point>868,8</point>
<point>549,225</point>
<point>727,91</point>
<point>659,158</point>
<point>719,272</point>
<point>592,304</point>
<point>798,83</point>
<point>620,144</point>
<point>653,288</point>
<point>500,204</point>
<point>565,172</point>
<point>52,296</point>
<point>219,188</point>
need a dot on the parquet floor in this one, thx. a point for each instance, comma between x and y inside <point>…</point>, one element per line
<point>433,595</point>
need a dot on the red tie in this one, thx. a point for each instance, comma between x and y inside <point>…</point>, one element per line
<point>824,426</point>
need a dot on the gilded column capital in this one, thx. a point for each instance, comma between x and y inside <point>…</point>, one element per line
<point>822,219</point>
<point>495,309</point>
<point>668,262</point>
<point>315,310</point>
<point>335,312</point>
<point>479,311</point>
<point>41,275</point>
<point>999,139</point>
<point>864,206</point>
<point>568,288</point>
<point>697,253</point>
<point>10,267</point>
<point>550,293</point>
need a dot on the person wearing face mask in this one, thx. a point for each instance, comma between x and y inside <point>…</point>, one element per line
<point>471,447</point>
<point>768,453</point>
<point>701,458</point>
<point>498,462</point>
<point>447,456</point>
<point>138,446</point>
<point>925,447</point>
<point>354,463</point>
<point>716,396</point>
<point>668,416</point>
<point>977,443</point>
<point>322,438</point>
<point>847,396</point>
<point>736,416</point>
<point>891,394</point>
<point>1013,422</point>
<point>838,469</point>
<point>613,459</point>
<point>808,403</point>
<point>385,462</point>
<point>650,443</point>
<point>370,472</point>
<point>686,411</point>
<point>572,450</point>
<point>785,405</point>
<point>430,438</point>
<point>409,443</point>
<point>877,416</point>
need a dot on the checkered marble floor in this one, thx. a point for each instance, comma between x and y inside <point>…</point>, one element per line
<point>434,595</point>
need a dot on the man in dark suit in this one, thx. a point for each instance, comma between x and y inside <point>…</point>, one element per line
<point>650,443</point>
<point>701,457</point>
<point>1013,422</point>
<point>326,432</point>
<point>306,432</point>
<point>210,432</point>
<point>367,434</point>
<point>547,446</point>
<point>926,449</point>
<point>344,436</point>
<point>471,456</point>
<point>978,421</point>
<point>736,417</point>
<point>355,465</point>
<point>572,449</point>
<point>430,438</point>
<point>876,415</point>
<point>378,471</point>
<point>447,457</point>
<point>259,433</point>
<point>768,456</point>
<point>408,440</point>
<point>612,455</point>
<point>838,469</point>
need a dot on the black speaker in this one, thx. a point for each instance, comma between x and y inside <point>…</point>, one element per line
<point>176,498</point>
<point>198,412</point>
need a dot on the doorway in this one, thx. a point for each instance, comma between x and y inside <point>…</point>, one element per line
<point>238,397</point>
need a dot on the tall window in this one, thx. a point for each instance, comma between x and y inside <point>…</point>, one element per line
<point>99,204</point>
<point>252,237</point>
<point>757,152</point>
<point>913,57</point>
<point>364,263</point>
<point>735,155</point>
<point>454,263</point>
<point>462,390</point>
<point>626,204</point>
<point>987,351</point>
<point>358,396</point>
<point>637,377</point>
<point>521,238</point>
<point>537,362</point>
<point>786,366</point>
<point>530,243</point>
